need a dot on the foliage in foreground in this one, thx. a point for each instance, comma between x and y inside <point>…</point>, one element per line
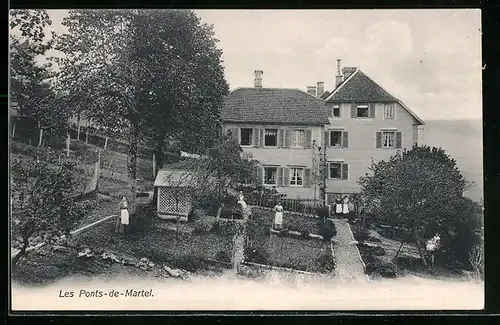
<point>43,203</point>
<point>420,191</point>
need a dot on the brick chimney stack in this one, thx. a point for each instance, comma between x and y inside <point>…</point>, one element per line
<point>320,89</point>
<point>338,77</point>
<point>311,90</point>
<point>258,78</point>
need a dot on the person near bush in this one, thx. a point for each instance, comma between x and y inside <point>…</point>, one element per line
<point>278,216</point>
<point>122,224</point>
<point>345,205</point>
<point>432,246</point>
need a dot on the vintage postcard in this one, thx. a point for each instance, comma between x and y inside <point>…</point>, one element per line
<point>224,160</point>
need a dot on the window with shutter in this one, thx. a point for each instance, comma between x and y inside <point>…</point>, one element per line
<point>270,174</point>
<point>389,111</point>
<point>279,176</point>
<point>271,137</point>
<point>345,171</point>
<point>255,133</point>
<point>308,139</point>
<point>354,111</point>
<point>362,111</point>
<point>335,170</point>
<point>307,177</point>
<point>298,138</point>
<point>246,136</point>
<point>388,139</point>
<point>281,140</point>
<point>287,134</point>
<point>399,139</point>
<point>327,138</point>
<point>261,138</point>
<point>335,138</point>
<point>286,176</point>
<point>296,176</point>
<point>345,139</point>
<point>372,111</point>
<point>378,140</point>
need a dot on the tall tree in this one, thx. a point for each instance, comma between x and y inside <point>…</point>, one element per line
<point>29,80</point>
<point>419,190</point>
<point>140,66</point>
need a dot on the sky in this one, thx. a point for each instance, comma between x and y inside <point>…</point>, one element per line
<point>429,59</point>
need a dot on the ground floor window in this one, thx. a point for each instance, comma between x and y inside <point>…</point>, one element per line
<point>270,175</point>
<point>296,176</point>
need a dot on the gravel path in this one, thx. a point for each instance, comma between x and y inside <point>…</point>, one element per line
<point>348,262</point>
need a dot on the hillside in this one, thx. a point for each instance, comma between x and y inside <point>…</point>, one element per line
<point>463,140</point>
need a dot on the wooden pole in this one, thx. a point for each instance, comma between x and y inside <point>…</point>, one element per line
<point>14,129</point>
<point>41,137</point>
<point>154,165</point>
<point>106,143</point>
<point>68,142</point>
<point>78,132</point>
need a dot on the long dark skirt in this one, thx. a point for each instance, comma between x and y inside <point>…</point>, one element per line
<point>119,228</point>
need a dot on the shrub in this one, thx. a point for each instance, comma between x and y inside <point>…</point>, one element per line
<point>325,262</point>
<point>196,214</point>
<point>203,226</point>
<point>327,229</point>
<point>383,268</point>
<point>190,263</point>
<point>371,250</point>
<point>223,256</point>
<point>409,263</point>
<point>256,254</point>
<point>226,228</point>
<point>322,212</point>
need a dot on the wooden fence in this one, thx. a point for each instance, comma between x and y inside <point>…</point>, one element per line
<point>306,206</point>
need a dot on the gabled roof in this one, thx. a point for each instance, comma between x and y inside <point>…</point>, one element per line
<point>273,106</point>
<point>359,87</point>
<point>325,95</point>
<point>174,178</point>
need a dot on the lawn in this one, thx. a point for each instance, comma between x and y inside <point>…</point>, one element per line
<point>291,221</point>
<point>311,255</point>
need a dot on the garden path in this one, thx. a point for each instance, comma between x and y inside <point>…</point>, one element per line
<point>238,249</point>
<point>349,265</point>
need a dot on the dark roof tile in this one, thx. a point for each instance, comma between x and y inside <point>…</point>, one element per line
<point>360,88</point>
<point>274,106</point>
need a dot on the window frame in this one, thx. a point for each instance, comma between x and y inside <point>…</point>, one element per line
<point>302,174</point>
<point>393,106</point>
<point>333,111</point>
<point>367,110</point>
<point>251,137</point>
<point>275,176</point>
<point>341,138</point>
<point>264,138</point>
<point>292,138</point>
<point>340,163</point>
<point>393,132</point>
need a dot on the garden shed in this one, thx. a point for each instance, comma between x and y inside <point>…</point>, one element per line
<point>174,193</point>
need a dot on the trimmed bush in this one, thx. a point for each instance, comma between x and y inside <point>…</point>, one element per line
<point>325,262</point>
<point>371,250</point>
<point>380,267</point>
<point>322,212</point>
<point>203,226</point>
<point>327,229</point>
<point>256,254</point>
<point>226,228</point>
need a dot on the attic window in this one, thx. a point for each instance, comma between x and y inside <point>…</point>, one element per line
<point>362,111</point>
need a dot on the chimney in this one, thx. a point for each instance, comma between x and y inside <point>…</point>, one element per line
<point>321,88</point>
<point>347,71</point>
<point>338,77</point>
<point>258,78</point>
<point>311,90</point>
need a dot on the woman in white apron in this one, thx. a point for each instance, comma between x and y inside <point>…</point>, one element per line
<point>338,206</point>
<point>345,205</point>
<point>278,216</point>
<point>124,215</point>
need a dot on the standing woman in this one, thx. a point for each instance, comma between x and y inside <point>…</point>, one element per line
<point>278,216</point>
<point>124,215</point>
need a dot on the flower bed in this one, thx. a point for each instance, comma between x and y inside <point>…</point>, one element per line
<point>287,251</point>
<point>191,252</point>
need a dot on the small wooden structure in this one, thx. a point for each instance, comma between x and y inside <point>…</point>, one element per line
<point>175,198</point>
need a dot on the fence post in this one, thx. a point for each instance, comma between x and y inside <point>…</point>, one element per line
<point>68,143</point>
<point>154,164</point>
<point>106,143</point>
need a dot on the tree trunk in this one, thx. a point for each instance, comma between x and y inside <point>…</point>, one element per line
<point>41,136</point>
<point>21,253</point>
<point>219,211</point>
<point>78,127</point>
<point>159,154</point>
<point>418,242</point>
<point>132,162</point>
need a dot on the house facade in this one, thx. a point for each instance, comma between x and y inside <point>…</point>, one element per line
<point>366,124</point>
<point>278,127</point>
<point>357,122</point>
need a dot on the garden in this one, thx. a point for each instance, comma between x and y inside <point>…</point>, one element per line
<point>304,244</point>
